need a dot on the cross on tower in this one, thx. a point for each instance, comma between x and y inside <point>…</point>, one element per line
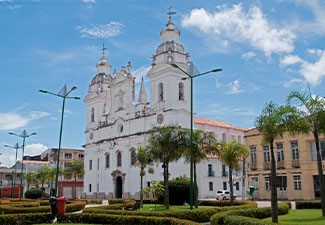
<point>104,48</point>
<point>170,13</point>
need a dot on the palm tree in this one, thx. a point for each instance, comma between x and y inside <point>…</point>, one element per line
<point>231,154</point>
<point>312,109</point>
<point>273,123</point>
<point>32,179</point>
<point>43,175</point>
<point>74,170</point>
<point>166,144</point>
<point>143,160</point>
<point>202,144</point>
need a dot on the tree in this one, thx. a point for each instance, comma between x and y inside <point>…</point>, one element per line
<point>273,123</point>
<point>202,144</point>
<point>231,154</point>
<point>74,170</point>
<point>43,174</point>
<point>32,179</point>
<point>166,144</point>
<point>312,110</point>
<point>156,189</point>
<point>143,160</point>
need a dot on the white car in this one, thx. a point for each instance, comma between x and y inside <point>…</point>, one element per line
<point>224,195</point>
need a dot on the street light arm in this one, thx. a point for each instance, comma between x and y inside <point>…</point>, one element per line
<point>176,66</point>
<point>51,93</point>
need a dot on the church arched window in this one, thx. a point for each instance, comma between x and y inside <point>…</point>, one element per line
<point>133,156</point>
<point>107,158</point>
<point>181,91</point>
<point>119,159</point>
<point>92,115</point>
<point>160,92</point>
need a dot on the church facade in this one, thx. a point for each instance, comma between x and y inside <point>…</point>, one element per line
<point>117,123</point>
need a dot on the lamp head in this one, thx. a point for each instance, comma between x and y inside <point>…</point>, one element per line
<point>74,88</point>
<point>78,98</point>
<point>42,91</point>
<point>216,70</point>
<point>174,65</point>
<point>32,134</point>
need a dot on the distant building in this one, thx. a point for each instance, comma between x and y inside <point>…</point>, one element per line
<point>297,176</point>
<point>65,185</point>
<point>117,124</point>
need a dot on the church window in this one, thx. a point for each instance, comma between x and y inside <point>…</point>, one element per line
<point>107,161</point>
<point>133,157</point>
<point>92,115</point>
<point>160,92</point>
<point>181,91</point>
<point>119,159</point>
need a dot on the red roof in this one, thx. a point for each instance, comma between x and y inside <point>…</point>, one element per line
<point>216,123</point>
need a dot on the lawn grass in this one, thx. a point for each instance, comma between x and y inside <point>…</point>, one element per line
<point>301,216</point>
<point>161,207</point>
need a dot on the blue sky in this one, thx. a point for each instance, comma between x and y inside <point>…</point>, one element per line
<point>265,48</point>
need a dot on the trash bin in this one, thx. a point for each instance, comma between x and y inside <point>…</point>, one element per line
<point>54,206</point>
<point>61,205</point>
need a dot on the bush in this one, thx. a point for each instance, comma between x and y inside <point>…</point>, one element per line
<point>259,213</point>
<point>242,220</point>
<point>308,205</point>
<point>34,194</point>
<point>179,191</point>
<point>222,203</point>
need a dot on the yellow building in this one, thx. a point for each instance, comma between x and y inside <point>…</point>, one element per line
<point>295,155</point>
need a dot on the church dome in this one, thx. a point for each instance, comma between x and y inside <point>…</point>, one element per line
<point>101,78</point>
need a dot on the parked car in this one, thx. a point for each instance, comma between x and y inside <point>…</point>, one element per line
<point>224,195</point>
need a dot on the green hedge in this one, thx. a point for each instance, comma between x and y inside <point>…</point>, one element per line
<point>308,205</point>
<point>120,201</point>
<point>27,219</point>
<point>259,213</point>
<point>242,220</point>
<point>225,203</point>
<point>197,215</point>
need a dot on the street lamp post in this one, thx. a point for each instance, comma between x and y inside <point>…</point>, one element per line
<point>191,77</point>
<point>64,94</point>
<point>23,135</point>
<point>16,146</point>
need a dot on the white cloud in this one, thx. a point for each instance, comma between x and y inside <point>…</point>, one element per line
<point>248,55</point>
<point>12,120</point>
<point>88,1</point>
<point>35,149</point>
<point>293,81</point>
<point>234,87</point>
<point>101,31</point>
<point>233,24</point>
<point>313,72</point>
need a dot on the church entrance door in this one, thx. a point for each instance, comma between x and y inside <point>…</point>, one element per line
<point>118,192</point>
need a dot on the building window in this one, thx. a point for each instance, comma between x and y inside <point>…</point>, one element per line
<point>210,171</point>
<point>297,182</point>
<point>266,153</point>
<point>255,182</point>
<point>210,186</point>
<point>90,164</point>
<point>67,165</point>
<point>133,156</point>
<point>267,183</point>
<point>224,185</point>
<point>92,115</point>
<point>80,177</point>
<point>89,188</point>
<point>224,138</point>
<point>313,150</point>
<point>224,172</point>
<point>239,139</point>
<point>119,159</point>
<point>107,161</point>
<point>98,164</point>
<point>279,152</point>
<point>294,150</point>
<point>97,187</point>
<point>67,155</point>
<point>160,92</point>
<point>253,153</point>
<point>181,91</point>
<point>237,186</point>
<point>80,156</point>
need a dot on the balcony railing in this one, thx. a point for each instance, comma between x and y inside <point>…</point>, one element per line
<point>266,165</point>
<point>210,173</point>
<point>280,165</point>
<point>295,163</point>
<point>224,173</point>
<point>253,166</point>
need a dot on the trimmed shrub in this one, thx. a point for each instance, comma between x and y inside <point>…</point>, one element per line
<point>308,205</point>
<point>221,203</point>
<point>119,201</point>
<point>242,220</point>
<point>34,194</point>
<point>259,213</point>
<point>179,191</point>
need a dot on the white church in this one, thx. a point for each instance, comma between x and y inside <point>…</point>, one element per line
<point>117,124</point>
